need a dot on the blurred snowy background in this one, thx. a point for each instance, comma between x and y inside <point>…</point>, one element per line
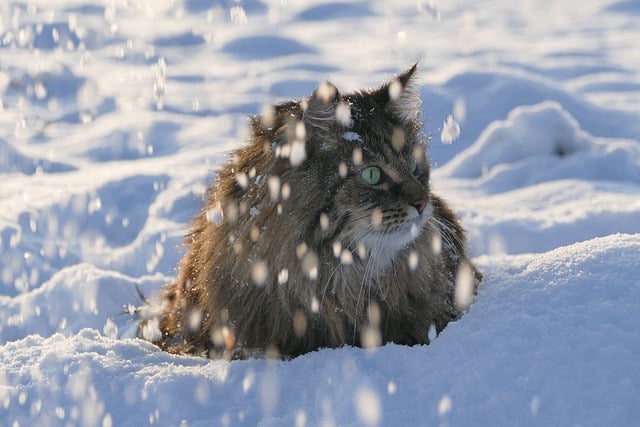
<point>115,114</point>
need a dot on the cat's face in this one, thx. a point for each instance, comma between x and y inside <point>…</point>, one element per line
<point>368,151</point>
<point>385,194</point>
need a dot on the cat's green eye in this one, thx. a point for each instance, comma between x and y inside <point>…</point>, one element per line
<point>371,175</point>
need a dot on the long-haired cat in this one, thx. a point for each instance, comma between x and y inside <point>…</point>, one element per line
<point>322,232</point>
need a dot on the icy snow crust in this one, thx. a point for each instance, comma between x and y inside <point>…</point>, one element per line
<point>114,117</point>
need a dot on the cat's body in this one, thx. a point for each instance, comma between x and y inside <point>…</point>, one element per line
<point>322,232</point>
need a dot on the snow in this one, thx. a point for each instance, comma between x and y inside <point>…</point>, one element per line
<point>114,117</point>
<point>450,130</point>
<point>352,136</point>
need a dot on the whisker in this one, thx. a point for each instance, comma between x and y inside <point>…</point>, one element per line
<point>441,230</point>
<point>326,285</point>
<point>446,232</point>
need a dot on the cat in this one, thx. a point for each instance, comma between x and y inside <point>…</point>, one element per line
<point>321,232</point>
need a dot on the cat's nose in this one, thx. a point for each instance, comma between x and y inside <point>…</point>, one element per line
<point>421,202</point>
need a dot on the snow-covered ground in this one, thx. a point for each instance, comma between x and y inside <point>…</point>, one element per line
<point>115,114</point>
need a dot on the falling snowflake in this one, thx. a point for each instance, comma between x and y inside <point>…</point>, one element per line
<point>450,130</point>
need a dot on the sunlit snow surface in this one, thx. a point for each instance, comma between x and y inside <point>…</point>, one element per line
<point>114,116</point>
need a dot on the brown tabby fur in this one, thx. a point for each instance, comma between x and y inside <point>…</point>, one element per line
<point>345,244</point>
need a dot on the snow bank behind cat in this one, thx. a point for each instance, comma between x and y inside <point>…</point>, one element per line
<point>540,143</point>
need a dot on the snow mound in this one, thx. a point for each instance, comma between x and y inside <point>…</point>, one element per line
<point>542,217</point>
<point>541,143</point>
<point>85,297</point>
<point>48,94</point>
<point>546,308</point>
<point>11,160</point>
<point>485,96</point>
<point>68,226</point>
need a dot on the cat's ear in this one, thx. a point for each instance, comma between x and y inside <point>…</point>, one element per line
<point>320,108</point>
<point>401,96</point>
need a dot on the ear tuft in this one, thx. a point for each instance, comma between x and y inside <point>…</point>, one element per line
<point>402,95</point>
<point>406,78</point>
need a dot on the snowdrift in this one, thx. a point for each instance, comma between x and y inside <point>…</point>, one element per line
<point>551,340</point>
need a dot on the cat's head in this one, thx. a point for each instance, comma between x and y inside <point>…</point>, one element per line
<point>366,153</point>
